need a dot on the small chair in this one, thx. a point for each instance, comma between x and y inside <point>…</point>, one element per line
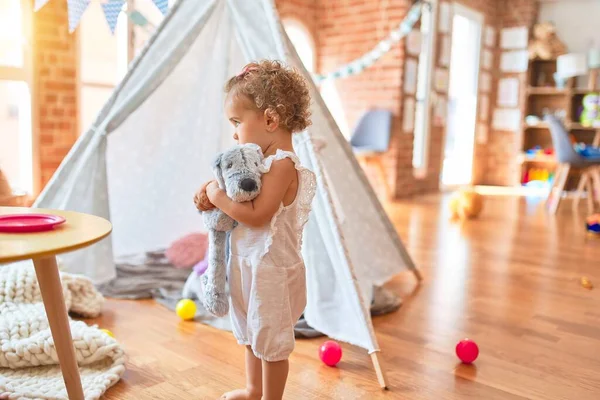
<point>371,138</point>
<point>568,159</point>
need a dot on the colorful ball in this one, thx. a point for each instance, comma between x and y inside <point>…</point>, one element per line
<point>186,309</point>
<point>330,353</point>
<point>467,351</point>
<point>109,333</point>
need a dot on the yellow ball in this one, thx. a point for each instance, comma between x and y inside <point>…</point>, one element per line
<point>586,283</point>
<point>186,309</point>
<point>109,333</point>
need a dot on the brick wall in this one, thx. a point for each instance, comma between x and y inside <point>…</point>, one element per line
<point>347,29</point>
<point>304,11</point>
<point>55,86</point>
<point>343,30</point>
<point>500,165</point>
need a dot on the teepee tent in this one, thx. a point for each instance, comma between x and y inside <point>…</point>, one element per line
<point>151,146</point>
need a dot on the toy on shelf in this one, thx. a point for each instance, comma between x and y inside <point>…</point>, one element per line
<point>586,151</point>
<point>537,176</point>
<point>538,151</point>
<point>466,204</point>
<point>590,115</point>
<point>532,120</point>
<point>545,44</point>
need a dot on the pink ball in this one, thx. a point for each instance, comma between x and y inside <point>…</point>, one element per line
<point>467,351</point>
<point>330,353</point>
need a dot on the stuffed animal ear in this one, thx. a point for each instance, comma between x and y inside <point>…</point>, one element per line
<point>218,170</point>
<point>261,166</point>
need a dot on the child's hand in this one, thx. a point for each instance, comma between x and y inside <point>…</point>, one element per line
<point>201,199</point>
<point>212,190</point>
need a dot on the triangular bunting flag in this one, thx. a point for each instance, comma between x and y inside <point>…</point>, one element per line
<point>39,4</point>
<point>163,5</point>
<point>112,9</point>
<point>76,10</point>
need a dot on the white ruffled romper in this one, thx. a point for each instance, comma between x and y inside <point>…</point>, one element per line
<point>267,278</point>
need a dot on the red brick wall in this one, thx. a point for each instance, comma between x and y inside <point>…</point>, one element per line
<point>348,29</point>
<point>343,30</point>
<point>304,11</point>
<point>55,86</point>
<point>500,165</point>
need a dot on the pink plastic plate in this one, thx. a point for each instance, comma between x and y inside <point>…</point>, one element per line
<point>29,222</point>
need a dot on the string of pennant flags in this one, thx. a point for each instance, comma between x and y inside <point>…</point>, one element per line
<point>368,59</point>
<point>113,8</point>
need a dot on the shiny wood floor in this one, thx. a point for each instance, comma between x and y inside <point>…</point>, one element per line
<point>510,281</point>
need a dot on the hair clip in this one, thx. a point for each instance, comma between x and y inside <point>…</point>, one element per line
<point>247,69</point>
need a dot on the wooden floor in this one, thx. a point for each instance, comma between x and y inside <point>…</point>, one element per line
<point>509,280</point>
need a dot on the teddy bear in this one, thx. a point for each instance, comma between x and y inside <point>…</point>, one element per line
<point>465,204</point>
<point>545,44</point>
<point>238,171</point>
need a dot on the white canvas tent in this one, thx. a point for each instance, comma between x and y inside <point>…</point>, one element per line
<point>151,146</point>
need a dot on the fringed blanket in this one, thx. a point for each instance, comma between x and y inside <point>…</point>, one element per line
<point>29,366</point>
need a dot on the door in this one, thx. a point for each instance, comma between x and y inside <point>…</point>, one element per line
<point>457,166</point>
<point>16,159</point>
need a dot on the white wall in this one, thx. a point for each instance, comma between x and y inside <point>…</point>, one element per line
<point>577,22</point>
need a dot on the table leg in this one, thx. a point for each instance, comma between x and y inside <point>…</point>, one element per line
<point>48,277</point>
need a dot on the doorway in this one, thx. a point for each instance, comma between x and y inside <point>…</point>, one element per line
<point>467,26</point>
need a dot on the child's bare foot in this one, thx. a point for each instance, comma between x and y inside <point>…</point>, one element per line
<point>241,394</point>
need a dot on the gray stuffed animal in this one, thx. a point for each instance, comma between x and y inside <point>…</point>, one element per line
<point>238,171</point>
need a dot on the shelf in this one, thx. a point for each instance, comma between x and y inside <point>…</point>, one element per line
<point>572,126</point>
<point>546,159</point>
<point>546,91</point>
<point>584,91</point>
<point>579,127</point>
<point>541,125</point>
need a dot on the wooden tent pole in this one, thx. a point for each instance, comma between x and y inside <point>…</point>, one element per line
<point>381,378</point>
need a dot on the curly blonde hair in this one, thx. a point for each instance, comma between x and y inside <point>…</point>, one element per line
<point>275,88</point>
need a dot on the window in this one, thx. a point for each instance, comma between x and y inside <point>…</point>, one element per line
<point>16,159</point>
<point>303,42</point>
<point>103,61</point>
<point>104,57</point>
<point>423,95</point>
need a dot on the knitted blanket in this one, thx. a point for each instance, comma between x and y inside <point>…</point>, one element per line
<point>29,366</point>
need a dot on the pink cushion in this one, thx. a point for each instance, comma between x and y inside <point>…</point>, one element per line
<point>188,250</point>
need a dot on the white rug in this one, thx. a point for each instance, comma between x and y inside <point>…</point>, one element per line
<point>28,362</point>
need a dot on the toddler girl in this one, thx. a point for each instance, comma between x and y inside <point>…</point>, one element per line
<point>266,103</point>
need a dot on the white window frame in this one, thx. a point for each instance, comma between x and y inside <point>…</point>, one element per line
<point>470,13</point>
<point>420,170</point>
<point>30,160</point>
<point>129,37</point>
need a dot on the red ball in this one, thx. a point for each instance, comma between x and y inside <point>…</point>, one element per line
<point>467,351</point>
<point>330,353</point>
